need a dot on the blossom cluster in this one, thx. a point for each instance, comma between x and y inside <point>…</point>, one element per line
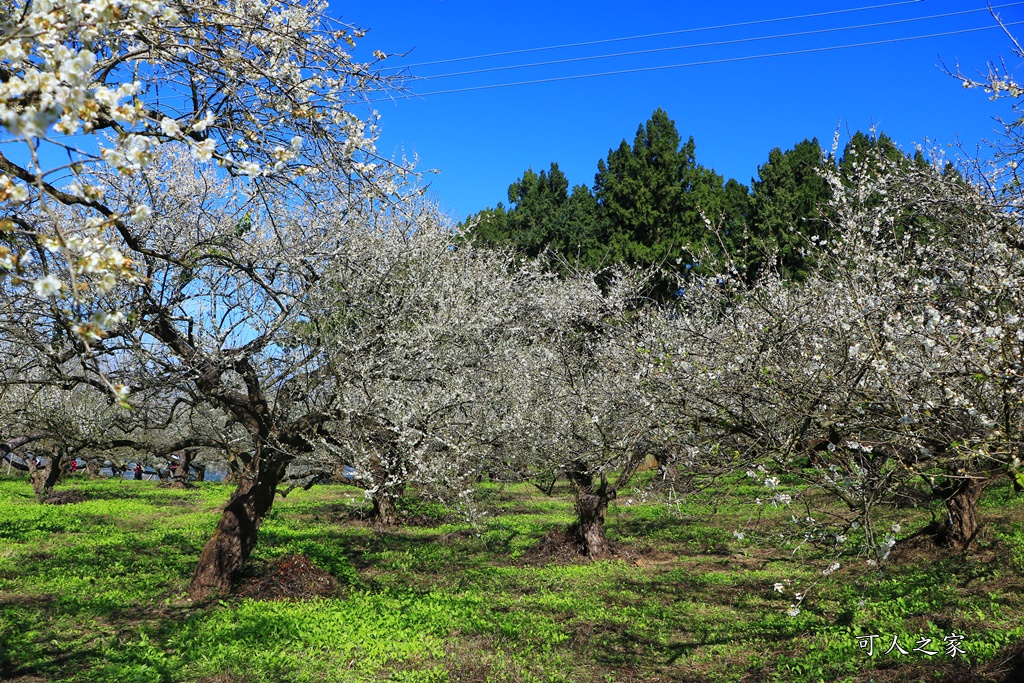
<point>132,76</point>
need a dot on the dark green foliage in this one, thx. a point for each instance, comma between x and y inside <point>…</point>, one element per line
<point>789,206</point>
<point>652,204</point>
<point>640,191</point>
<point>653,198</point>
<point>648,207</point>
<point>857,152</point>
<point>537,201</point>
<point>543,216</point>
<point>489,226</point>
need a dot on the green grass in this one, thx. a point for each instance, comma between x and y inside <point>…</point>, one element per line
<point>95,591</point>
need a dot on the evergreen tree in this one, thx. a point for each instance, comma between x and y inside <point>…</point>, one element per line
<point>537,201</point>
<point>655,202</point>
<point>578,241</point>
<point>650,195</point>
<point>489,226</point>
<point>651,205</point>
<point>542,216</point>
<point>859,151</point>
<point>789,205</point>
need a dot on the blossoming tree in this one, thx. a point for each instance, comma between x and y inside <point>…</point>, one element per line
<point>894,372</point>
<point>261,88</point>
<point>577,400</point>
<point>413,332</point>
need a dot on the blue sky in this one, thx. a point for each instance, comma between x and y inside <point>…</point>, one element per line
<point>481,140</point>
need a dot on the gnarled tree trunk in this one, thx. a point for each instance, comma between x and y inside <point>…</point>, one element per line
<point>384,513</point>
<point>590,504</point>
<point>43,480</point>
<point>235,536</point>
<point>179,476</point>
<point>961,499</point>
<point>387,490</point>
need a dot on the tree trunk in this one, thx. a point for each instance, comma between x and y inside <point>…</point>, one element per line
<point>590,505</point>
<point>34,473</point>
<point>384,513</point>
<point>235,537</point>
<point>179,478</point>
<point>389,489</point>
<point>92,468</point>
<point>43,480</point>
<point>200,472</point>
<point>961,500</point>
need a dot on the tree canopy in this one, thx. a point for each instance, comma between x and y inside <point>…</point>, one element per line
<point>653,204</point>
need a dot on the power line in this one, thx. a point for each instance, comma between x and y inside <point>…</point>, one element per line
<point>755,22</point>
<point>708,62</point>
<point>719,43</point>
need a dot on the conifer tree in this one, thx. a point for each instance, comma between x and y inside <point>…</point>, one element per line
<point>789,201</point>
<point>543,216</point>
<point>657,205</point>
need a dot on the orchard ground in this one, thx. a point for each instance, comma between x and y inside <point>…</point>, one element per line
<point>95,591</point>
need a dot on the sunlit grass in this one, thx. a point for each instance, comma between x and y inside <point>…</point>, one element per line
<point>94,591</point>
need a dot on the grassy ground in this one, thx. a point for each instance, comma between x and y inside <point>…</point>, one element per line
<point>94,591</point>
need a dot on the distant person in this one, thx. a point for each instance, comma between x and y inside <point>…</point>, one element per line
<point>73,466</point>
<point>138,472</point>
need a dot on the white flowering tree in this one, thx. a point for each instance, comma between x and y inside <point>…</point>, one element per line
<point>890,376</point>
<point>894,371</point>
<point>261,88</point>
<point>175,178</point>
<point>947,352</point>
<point>576,400</point>
<point>223,281</point>
<point>412,331</point>
<point>63,419</point>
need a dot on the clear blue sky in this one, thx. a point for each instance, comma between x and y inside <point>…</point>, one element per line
<point>482,140</point>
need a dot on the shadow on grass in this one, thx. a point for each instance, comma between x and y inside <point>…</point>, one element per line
<point>614,646</point>
<point>695,534</point>
<point>33,645</point>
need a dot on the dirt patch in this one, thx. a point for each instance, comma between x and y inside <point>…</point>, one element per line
<point>455,537</point>
<point>64,497</point>
<point>363,515</point>
<point>557,546</point>
<point>927,546</point>
<point>647,556</point>
<point>292,577</point>
<point>560,546</point>
<point>919,547</point>
<point>1006,667</point>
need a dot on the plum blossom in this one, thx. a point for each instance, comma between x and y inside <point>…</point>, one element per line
<point>47,286</point>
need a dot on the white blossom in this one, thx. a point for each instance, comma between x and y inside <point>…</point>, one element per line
<point>47,286</point>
